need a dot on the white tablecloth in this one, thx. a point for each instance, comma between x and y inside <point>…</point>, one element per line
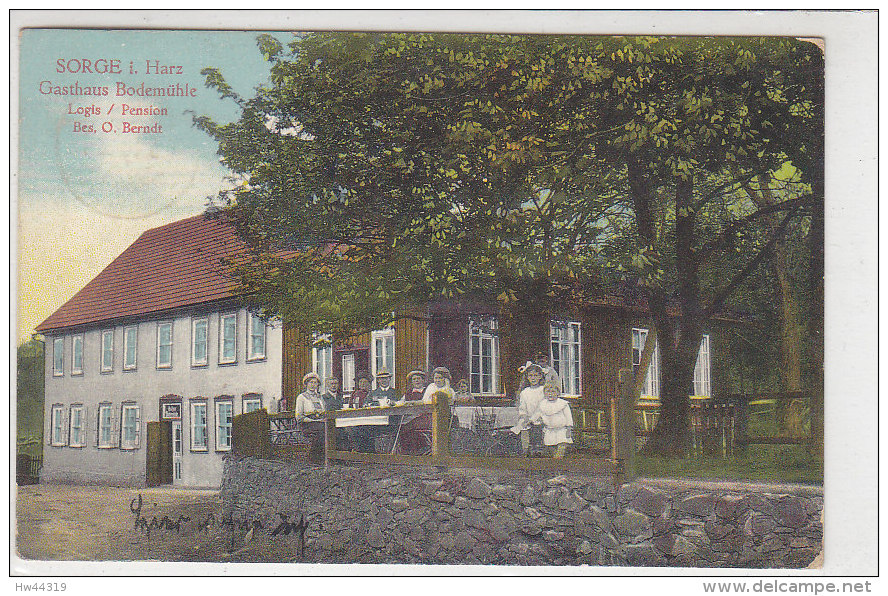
<point>502,416</point>
<point>362,421</point>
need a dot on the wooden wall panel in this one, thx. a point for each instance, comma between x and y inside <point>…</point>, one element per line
<point>296,363</point>
<point>410,346</point>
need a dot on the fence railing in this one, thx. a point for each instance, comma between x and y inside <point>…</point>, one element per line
<point>27,468</point>
<point>279,435</point>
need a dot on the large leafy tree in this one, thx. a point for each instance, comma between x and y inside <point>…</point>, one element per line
<point>406,167</point>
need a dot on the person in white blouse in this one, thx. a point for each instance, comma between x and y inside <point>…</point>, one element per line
<point>440,382</point>
<point>309,414</point>
<point>309,403</point>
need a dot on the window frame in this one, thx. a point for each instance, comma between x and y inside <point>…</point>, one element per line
<point>206,341</point>
<point>651,387</point>
<point>137,431</point>
<point>75,369</point>
<point>126,344</point>
<point>251,355</point>
<point>218,426</point>
<point>57,423</point>
<point>575,350</point>
<point>158,363</point>
<point>102,407</point>
<point>81,439</point>
<point>250,398</point>
<point>703,376</point>
<point>58,356</point>
<point>194,404</point>
<point>476,331</point>
<point>222,319</point>
<point>322,355</point>
<point>385,335</point>
<point>109,366</point>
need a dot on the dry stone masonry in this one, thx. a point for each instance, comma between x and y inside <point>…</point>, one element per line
<point>378,514</point>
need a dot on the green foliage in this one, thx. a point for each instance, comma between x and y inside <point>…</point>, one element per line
<point>29,397</point>
<point>408,167</point>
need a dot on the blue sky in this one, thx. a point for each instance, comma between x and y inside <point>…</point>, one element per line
<point>84,197</point>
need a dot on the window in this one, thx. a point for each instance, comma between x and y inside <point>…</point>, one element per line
<point>130,341</point>
<point>58,425</point>
<point>199,426</point>
<point>322,358</point>
<point>58,356</point>
<point>652,378</point>
<point>199,342</point>
<point>77,355</point>
<point>227,339</point>
<point>223,425</point>
<point>702,385</point>
<point>131,427</point>
<point>382,351</point>
<point>104,425</point>
<point>75,430</point>
<point>484,356</point>
<point>107,351</point>
<point>565,355</point>
<point>164,345</point>
<point>256,339</point>
<point>252,402</point>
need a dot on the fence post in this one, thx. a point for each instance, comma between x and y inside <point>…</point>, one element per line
<point>441,428</point>
<point>329,439</point>
<point>623,427</point>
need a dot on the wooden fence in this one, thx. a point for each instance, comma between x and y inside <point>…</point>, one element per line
<point>27,468</point>
<point>277,436</point>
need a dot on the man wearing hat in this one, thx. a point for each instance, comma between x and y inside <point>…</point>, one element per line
<point>384,394</point>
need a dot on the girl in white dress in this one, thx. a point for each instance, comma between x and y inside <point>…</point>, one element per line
<point>528,402</point>
<point>557,420</point>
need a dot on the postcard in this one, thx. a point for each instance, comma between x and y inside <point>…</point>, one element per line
<point>386,289</point>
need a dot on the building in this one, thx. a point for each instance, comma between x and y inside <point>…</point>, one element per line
<point>147,365</point>
<point>157,339</point>
<point>588,347</point>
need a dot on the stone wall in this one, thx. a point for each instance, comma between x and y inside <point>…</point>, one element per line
<point>399,514</point>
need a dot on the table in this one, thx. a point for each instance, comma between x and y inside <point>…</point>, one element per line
<point>503,417</point>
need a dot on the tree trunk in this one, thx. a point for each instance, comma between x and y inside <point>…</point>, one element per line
<point>815,318</point>
<point>671,435</point>
<point>523,331</point>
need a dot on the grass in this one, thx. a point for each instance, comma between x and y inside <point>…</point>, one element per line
<point>759,463</point>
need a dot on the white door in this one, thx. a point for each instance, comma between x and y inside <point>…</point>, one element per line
<point>348,373</point>
<point>177,452</point>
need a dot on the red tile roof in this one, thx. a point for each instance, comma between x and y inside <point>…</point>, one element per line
<point>169,267</point>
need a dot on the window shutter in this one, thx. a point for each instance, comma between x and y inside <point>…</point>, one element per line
<point>84,422</point>
<point>137,440</point>
<point>115,427</point>
<point>48,435</point>
<point>98,424</point>
<point>66,425</point>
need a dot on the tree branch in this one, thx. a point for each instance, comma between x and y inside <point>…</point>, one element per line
<point>725,292</point>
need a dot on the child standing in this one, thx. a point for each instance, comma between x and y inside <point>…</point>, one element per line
<point>528,402</point>
<point>557,420</point>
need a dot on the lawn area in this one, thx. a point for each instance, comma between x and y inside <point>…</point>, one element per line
<point>759,463</point>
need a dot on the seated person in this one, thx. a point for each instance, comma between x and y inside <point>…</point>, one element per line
<point>415,387</point>
<point>384,394</point>
<point>359,396</point>
<point>557,420</point>
<point>440,382</point>
<point>309,412</point>
<point>462,396</point>
<point>333,396</point>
